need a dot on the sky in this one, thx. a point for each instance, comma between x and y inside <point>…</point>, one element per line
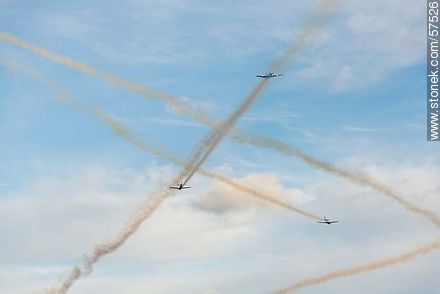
<point>355,99</point>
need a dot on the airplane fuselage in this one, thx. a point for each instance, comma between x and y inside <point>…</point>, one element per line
<point>179,187</point>
<point>327,221</point>
<point>269,75</point>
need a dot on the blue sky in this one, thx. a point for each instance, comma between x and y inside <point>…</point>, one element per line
<point>356,99</point>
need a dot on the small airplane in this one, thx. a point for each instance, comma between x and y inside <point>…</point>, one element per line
<point>269,75</point>
<point>327,221</point>
<point>179,187</point>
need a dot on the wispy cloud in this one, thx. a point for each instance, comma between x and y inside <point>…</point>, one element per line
<point>364,129</point>
<point>170,121</point>
<point>279,118</point>
<point>309,134</point>
<point>366,55</point>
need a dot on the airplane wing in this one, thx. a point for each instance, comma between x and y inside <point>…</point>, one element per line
<point>332,222</point>
<point>259,76</point>
<point>187,187</point>
<point>322,222</point>
<point>172,187</point>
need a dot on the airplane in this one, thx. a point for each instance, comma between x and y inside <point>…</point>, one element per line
<point>179,187</point>
<point>269,75</point>
<point>327,221</point>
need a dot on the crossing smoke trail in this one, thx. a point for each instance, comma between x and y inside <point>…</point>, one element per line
<point>207,145</point>
<point>406,257</point>
<point>149,206</point>
<point>308,34</point>
<point>205,148</point>
<point>201,153</point>
<point>351,176</point>
<point>327,8</point>
<point>304,41</point>
<point>148,209</point>
<point>119,129</point>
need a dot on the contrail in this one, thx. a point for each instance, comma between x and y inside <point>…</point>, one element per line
<point>307,36</point>
<point>305,39</point>
<point>327,7</point>
<point>309,33</point>
<point>351,176</point>
<point>123,132</point>
<point>207,145</point>
<point>150,205</point>
<point>148,208</point>
<point>406,257</point>
<point>201,153</point>
<point>107,248</point>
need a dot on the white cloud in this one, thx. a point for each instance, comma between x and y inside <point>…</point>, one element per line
<point>221,198</point>
<point>254,247</point>
<point>367,41</point>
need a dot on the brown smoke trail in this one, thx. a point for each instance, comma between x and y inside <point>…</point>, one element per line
<point>119,129</point>
<point>204,148</point>
<point>101,250</point>
<point>305,39</point>
<point>284,148</point>
<point>207,145</point>
<point>239,186</point>
<point>353,177</point>
<point>102,75</point>
<point>406,257</point>
<point>149,206</point>
<point>238,135</point>
<point>190,167</point>
<point>307,36</point>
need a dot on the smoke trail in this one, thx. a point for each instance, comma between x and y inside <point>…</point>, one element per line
<point>305,39</point>
<point>241,136</point>
<point>152,204</point>
<point>307,36</point>
<point>102,75</point>
<point>353,177</point>
<point>239,186</point>
<point>244,138</point>
<point>201,153</point>
<point>119,129</point>
<point>148,208</point>
<point>206,146</point>
<point>406,257</point>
